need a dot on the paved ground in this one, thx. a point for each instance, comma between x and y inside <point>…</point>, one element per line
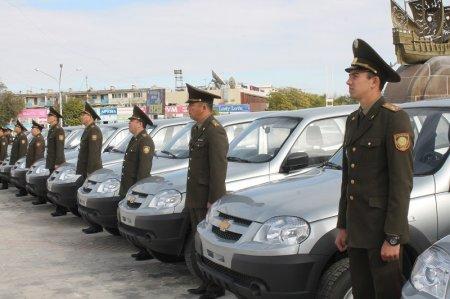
<point>46,257</point>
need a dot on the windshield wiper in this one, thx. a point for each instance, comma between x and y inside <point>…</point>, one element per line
<point>116,150</point>
<point>332,165</point>
<point>169,154</point>
<point>237,159</point>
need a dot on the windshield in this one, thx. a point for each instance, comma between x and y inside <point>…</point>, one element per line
<point>73,140</point>
<point>431,128</point>
<point>178,146</point>
<point>107,131</point>
<point>262,140</point>
<point>122,145</point>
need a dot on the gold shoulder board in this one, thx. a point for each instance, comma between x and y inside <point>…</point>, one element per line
<point>391,107</point>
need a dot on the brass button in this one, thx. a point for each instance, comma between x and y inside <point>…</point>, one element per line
<point>351,197</point>
<point>369,143</point>
<point>354,149</point>
<point>352,165</point>
<point>352,182</point>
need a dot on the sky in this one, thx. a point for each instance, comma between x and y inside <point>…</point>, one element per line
<point>296,43</point>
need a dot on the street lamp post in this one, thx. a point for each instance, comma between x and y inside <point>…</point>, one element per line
<point>59,84</point>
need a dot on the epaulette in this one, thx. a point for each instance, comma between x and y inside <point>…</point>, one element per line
<point>391,107</point>
<point>215,123</point>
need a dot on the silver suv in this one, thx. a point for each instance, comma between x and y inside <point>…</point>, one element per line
<point>152,216</point>
<point>98,197</point>
<point>277,240</point>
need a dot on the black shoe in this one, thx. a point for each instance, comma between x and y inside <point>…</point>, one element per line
<point>92,230</point>
<point>38,202</point>
<point>58,212</point>
<point>212,294</point>
<point>21,193</point>
<point>198,291</point>
<point>142,256</point>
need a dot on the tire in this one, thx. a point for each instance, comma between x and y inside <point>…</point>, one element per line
<point>190,257</point>
<point>113,231</point>
<point>166,258</point>
<point>336,282</point>
<point>75,211</point>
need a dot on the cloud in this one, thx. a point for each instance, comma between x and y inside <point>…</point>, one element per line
<point>284,42</point>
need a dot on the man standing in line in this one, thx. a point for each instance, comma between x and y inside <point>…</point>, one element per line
<point>19,149</point>
<point>376,180</point>
<point>55,150</point>
<point>4,142</point>
<point>89,156</point>
<point>138,158</point>
<point>208,149</point>
<point>36,148</point>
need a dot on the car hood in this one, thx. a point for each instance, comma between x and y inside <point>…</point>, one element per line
<point>163,164</point>
<point>111,158</point>
<point>303,196</point>
<point>177,179</point>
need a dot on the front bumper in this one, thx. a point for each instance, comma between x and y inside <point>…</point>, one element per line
<point>37,184</point>
<point>18,177</point>
<point>291,276</point>
<point>65,194</point>
<point>101,211</point>
<point>161,233</point>
<point>5,173</point>
<point>260,276</point>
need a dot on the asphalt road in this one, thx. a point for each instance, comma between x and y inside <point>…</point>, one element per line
<point>46,257</point>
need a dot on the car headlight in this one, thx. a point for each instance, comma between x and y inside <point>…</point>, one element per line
<point>109,186</point>
<point>166,199</point>
<point>42,170</point>
<point>20,165</point>
<point>212,212</point>
<point>68,175</point>
<point>284,230</point>
<point>431,272</point>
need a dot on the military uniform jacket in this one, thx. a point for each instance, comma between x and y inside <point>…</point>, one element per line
<point>89,157</point>
<point>19,148</point>
<point>55,147</point>
<point>137,162</point>
<point>377,176</point>
<point>35,151</point>
<point>3,148</point>
<point>208,149</point>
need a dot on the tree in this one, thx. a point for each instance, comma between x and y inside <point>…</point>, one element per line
<point>71,111</point>
<point>3,87</point>
<point>344,100</point>
<point>293,99</point>
<point>10,107</point>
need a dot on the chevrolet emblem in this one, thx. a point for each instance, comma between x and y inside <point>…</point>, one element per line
<point>131,199</point>
<point>224,225</point>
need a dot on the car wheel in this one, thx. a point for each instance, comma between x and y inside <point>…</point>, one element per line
<point>190,256</point>
<point>335,282</point>
<point>166,258</point>
<point>113,231</point>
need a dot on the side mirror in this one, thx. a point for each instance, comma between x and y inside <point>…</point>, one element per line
<point>296,161</point>
<point>108,149</point>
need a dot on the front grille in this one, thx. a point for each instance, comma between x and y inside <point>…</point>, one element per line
<point>89,186</point>
<point>227,235</point>
<point>237,277</point>
<point>133,205</point>
<point>235,219</point>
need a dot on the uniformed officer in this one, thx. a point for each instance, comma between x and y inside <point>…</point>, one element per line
<point>208,149</point>
<point>89,156</point>
<point>55,150</point>
<point>376,180</point>
<point>19,149</point>
<point>4,142</point>
<point>137,162</point>
<point>35,150</point>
